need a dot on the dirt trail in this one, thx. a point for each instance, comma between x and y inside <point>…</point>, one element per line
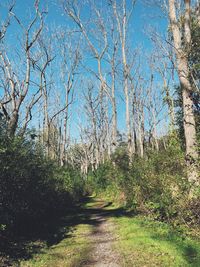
<point>87,238</point>
<point>102,238</point>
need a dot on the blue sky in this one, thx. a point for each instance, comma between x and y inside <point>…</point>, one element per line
<point>143,18</point>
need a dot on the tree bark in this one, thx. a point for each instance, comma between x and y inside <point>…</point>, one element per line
<point>186,86</point>
<point>122,29</point>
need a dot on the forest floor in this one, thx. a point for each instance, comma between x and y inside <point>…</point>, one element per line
<point>101,235</point>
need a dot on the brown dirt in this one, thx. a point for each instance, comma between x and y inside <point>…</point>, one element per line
<point>102,254</point>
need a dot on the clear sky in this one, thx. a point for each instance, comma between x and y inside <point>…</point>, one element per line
<point>143,18</point>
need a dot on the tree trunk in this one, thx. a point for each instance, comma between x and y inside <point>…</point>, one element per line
<point>63,150</point>
<point>114,109</point>
<point>186,86</point>
<point>12,124</point>
<point>189,130</point>
<point>122,29</point>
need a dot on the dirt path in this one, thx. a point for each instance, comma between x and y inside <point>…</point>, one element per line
<point>102,254</point>
<point>87,239</point>
<point>96,234</point>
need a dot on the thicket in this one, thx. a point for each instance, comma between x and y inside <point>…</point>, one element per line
<point>33,188</point>
<point>156,185</point>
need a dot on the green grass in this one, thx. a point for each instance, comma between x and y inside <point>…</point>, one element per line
<point>72,251</point>
<point>148,243</point>
<point>93,202</point>
<point>141,243</point>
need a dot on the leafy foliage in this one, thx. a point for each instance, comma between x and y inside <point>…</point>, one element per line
<point>156,185</point>
<point>32,187</point>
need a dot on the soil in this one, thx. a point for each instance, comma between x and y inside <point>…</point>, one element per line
<point>102,238</point>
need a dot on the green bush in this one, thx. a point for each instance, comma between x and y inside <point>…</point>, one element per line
<point>32,188</point>
<point>155,185</point>
<point>71,181</point>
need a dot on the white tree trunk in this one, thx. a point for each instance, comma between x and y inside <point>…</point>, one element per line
<point>186,86</point>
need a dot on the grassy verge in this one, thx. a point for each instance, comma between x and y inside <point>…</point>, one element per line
<point>72,251</point>
<point>141,242</point>
<point>148,243</point>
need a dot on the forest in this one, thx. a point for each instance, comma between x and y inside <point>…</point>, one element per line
<point>99,133</point>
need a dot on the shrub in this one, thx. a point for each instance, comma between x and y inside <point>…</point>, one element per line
<point>32,187</point>
<point>155,185</point>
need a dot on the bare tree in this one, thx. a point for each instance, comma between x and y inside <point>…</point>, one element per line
<point>70,60</point>
<point>122,18</point>
<point>6,23</point>
<point>112,59</point>
<point>180,27</point>
<point>91,107</point>
<point>138,116</point>
<point>16,90</point>
<point>98,46</point>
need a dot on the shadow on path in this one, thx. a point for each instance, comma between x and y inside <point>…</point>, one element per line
<point>54,229</point>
